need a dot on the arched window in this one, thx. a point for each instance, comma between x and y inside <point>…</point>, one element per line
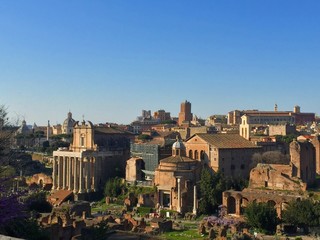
<point>196,155</point>
<point>202,155</point>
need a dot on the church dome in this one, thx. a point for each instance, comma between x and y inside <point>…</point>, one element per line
<point>67,125</point>
<point>23,128</point>
<point>178,145</point>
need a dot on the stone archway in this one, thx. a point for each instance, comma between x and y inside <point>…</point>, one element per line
<point>271,203</point>
<point>231,205</point>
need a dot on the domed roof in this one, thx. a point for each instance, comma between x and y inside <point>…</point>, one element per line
<point>23,128</point>
<point>178,145</point>
<point>69,121</point>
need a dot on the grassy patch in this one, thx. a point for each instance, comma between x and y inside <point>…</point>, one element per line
<point>136,190</point>
<point>144,210</point>
<point>104,207</point>
<point>183,235</point>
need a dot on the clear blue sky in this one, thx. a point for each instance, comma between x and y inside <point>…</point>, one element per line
<point>109,60</point>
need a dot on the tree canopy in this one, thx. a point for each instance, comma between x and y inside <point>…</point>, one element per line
<point>212,184</point>
<point>261,216</point>
<point>304,213</point>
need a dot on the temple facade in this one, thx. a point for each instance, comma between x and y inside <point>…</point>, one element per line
<point>96,154</point>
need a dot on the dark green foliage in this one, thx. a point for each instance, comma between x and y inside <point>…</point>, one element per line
<point>38,202</point>
<point>304,213</point>
<point>45,144</point>
<point>261,216</point>
<point>26,229</point>
<point>113,187</point>
<point>136,190</point>
<point>212,185</point>
<point>144,137</point>
<point>15,218</point>
<point>207,203</point>
<point>286,139</point>
<point>23,162</point>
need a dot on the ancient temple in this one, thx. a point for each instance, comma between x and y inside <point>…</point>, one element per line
<point>96,154</point>
<point>175,178</point>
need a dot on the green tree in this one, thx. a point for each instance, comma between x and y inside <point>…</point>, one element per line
<point>38,202</point>
<point>113,187</point>
<point>144,137</point>
<point>212,185</point>
<point>287,138</point>
<point>304,214</point>
<point>206,204</point>
<point>261,216</point>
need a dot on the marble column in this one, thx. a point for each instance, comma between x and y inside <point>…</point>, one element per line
<point>81,182</point>
<point>75,175</point>
<point>86,174</point>
<point>54,172</point>
<point>64,172</point>
<point>59,183</point>
<point>194,211</point>
<point>93,171</point>
<point>179,195</point>
<point>89,175</point>
<point>70,173</point>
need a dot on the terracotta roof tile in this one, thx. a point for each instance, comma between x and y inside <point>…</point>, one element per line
<point>59,197</point>
<point>226,140</point>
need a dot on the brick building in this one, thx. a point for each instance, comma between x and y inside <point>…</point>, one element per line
<point>185,115</point>
<point>229,153</point>
<point>267,181</point>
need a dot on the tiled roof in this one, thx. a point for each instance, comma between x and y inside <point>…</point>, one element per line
<point>177,159</point>
<point>226,140</point>
<point>59,197</point>
<point>267,113</point>
<point>109,130</point>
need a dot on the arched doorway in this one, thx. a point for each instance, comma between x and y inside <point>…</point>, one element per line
<point>231,205</point>
<point>271,203</point>
<point>190,154</point>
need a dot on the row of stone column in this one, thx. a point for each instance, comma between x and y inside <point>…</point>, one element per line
<point>75,174</point>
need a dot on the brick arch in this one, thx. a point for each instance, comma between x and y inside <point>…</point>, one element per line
<point>272,203</point>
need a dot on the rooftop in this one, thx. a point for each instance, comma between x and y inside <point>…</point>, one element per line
<point>224,141</point>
